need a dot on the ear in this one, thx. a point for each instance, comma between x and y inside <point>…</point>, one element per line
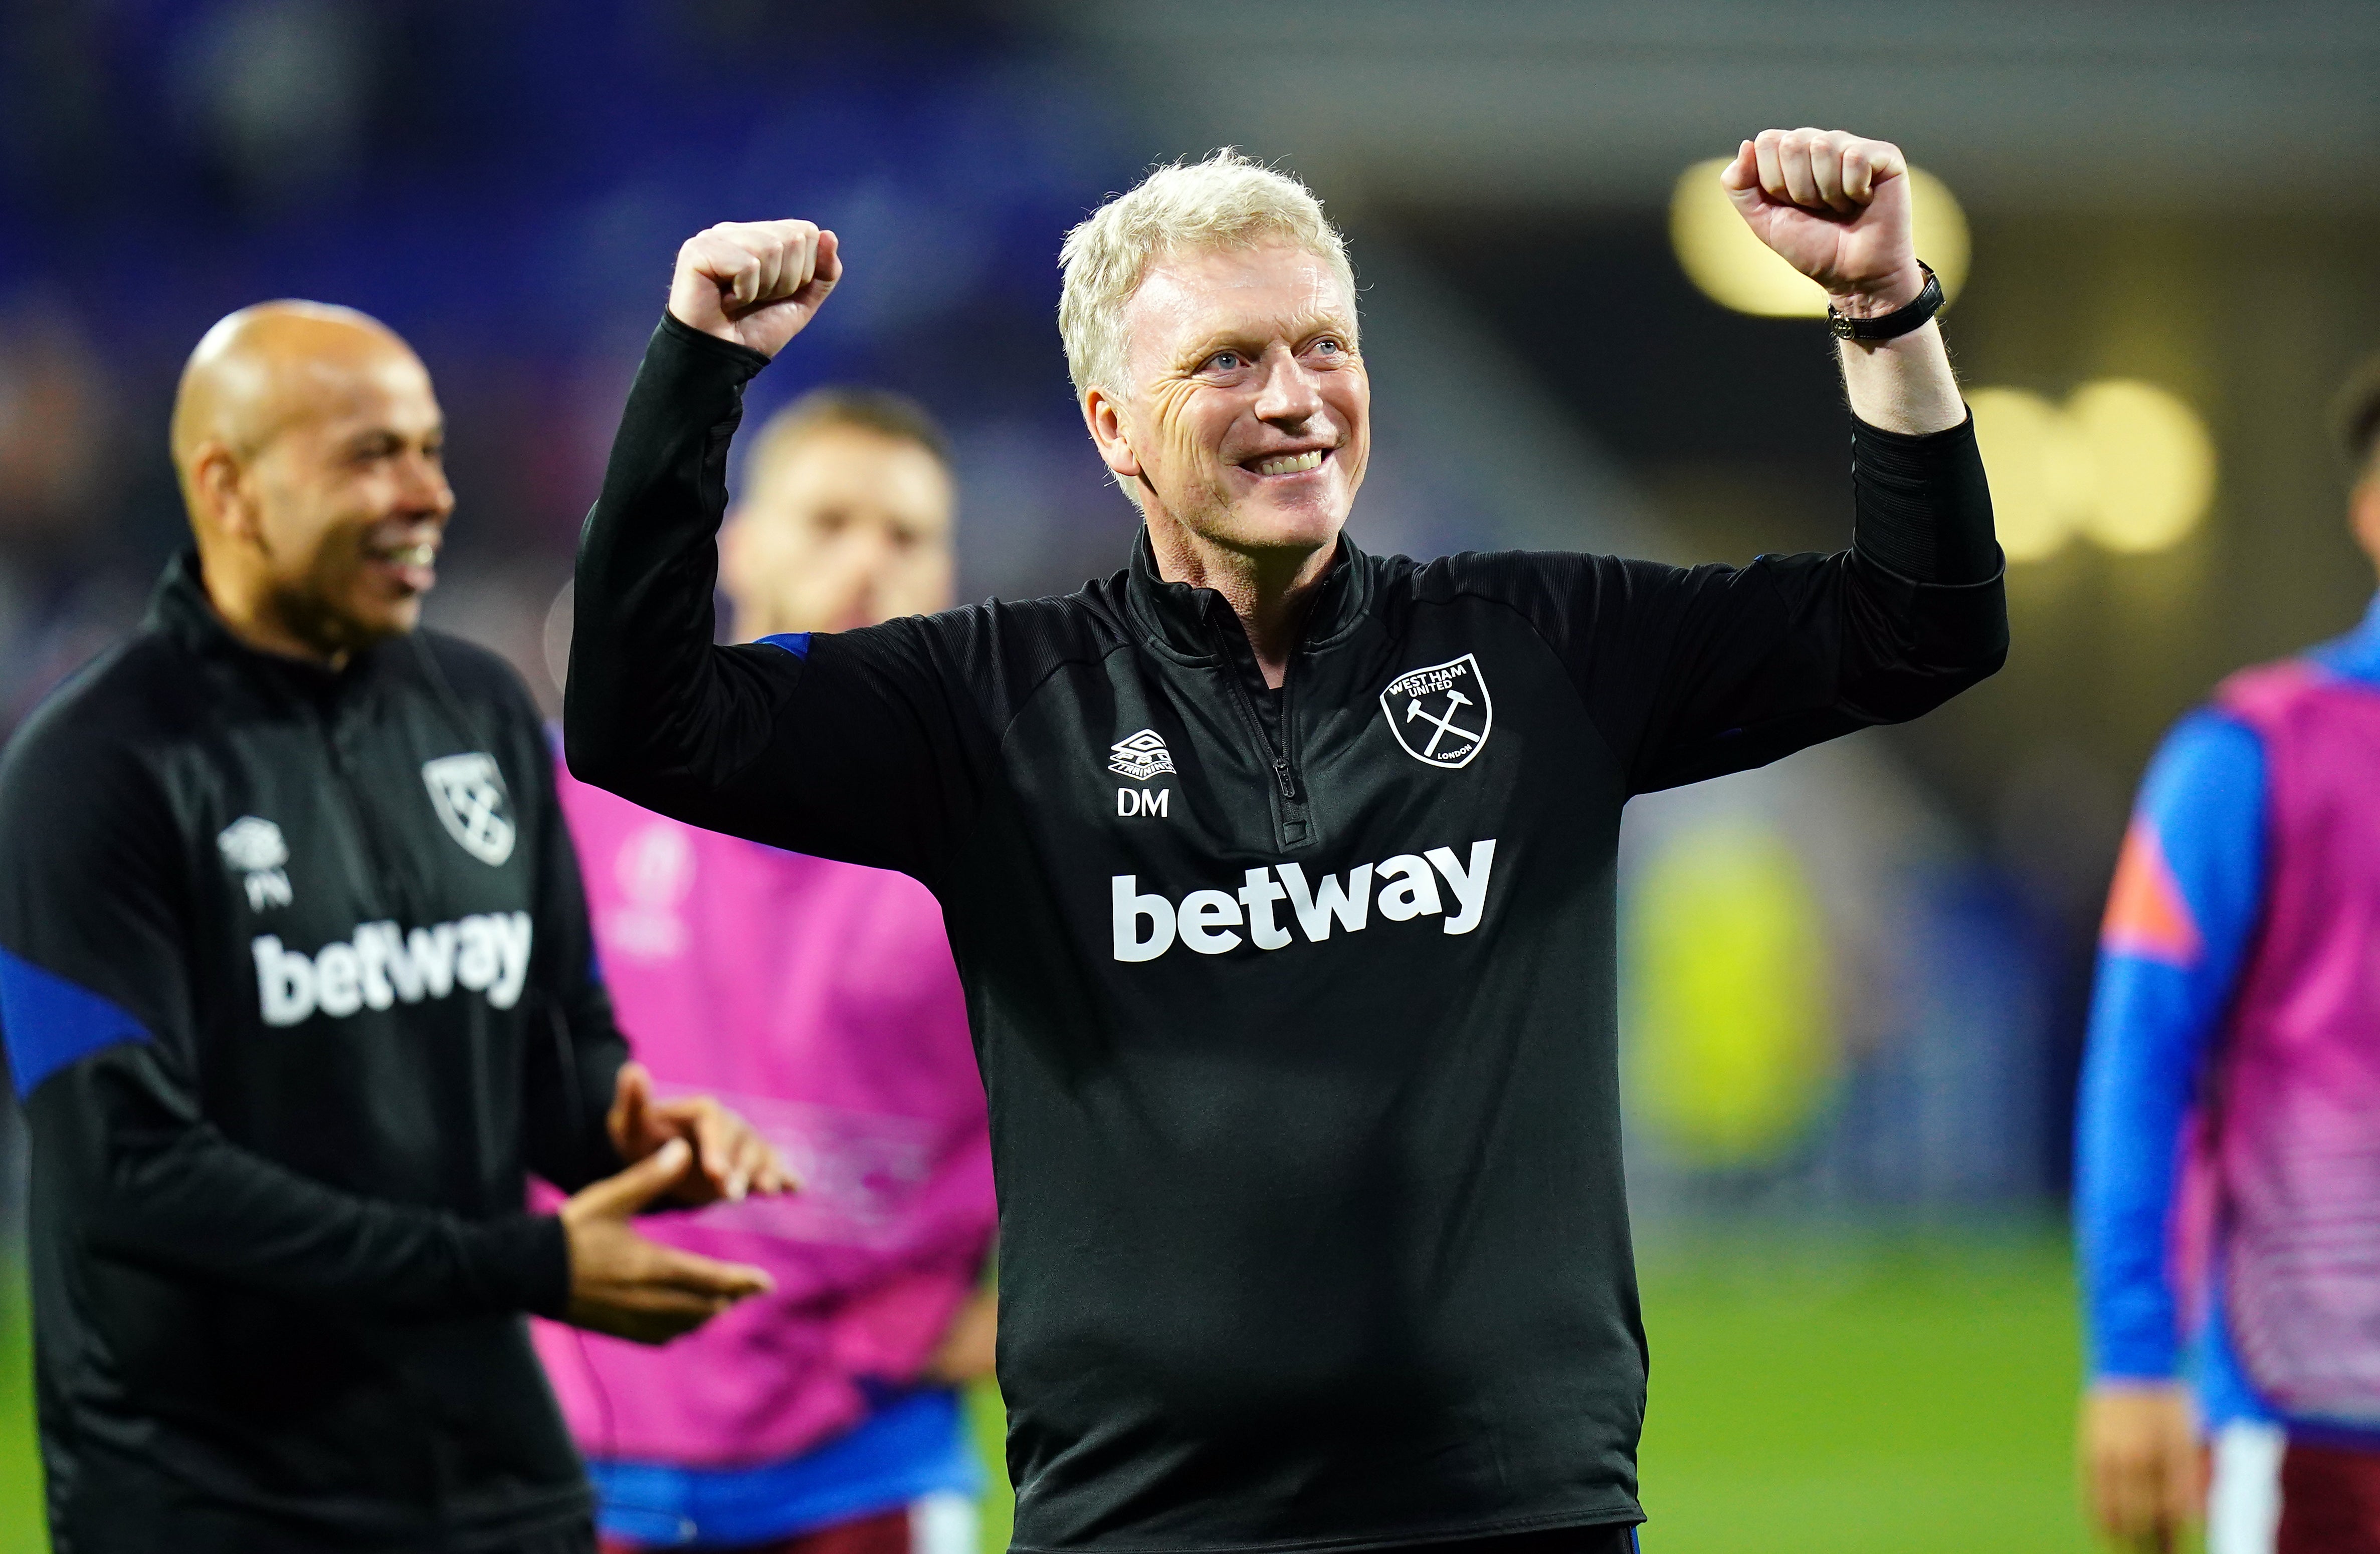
<point>1103,416</point>
<point>2364,515</point>
<point>221,503</point>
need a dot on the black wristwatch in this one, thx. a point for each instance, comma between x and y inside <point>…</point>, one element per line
<point>1897,323</point>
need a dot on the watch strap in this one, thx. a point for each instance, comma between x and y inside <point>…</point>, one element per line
<point>1912,315</point>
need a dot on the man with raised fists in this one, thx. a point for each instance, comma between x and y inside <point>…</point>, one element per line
<point>1279,875</point>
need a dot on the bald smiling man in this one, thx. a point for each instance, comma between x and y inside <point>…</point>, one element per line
<point>297,988</point>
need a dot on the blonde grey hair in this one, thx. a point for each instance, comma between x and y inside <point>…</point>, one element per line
<point>1226,201</point>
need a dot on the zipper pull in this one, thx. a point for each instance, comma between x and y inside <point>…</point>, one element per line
<point>1280,774</point>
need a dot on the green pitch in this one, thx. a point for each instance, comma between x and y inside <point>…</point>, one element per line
<point>1861,1395</point>
<point>1838,1394</point>
<point>1852,1395</point>
<point>22,1531</point>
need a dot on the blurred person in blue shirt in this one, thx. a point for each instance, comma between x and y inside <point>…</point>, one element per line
<point>2227,1195</point>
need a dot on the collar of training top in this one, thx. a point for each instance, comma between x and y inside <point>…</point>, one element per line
<point>179,608</point>
<point>1177,615</point>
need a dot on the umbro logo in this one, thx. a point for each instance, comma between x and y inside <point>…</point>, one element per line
<point>1441,715</point>
<point>1139,755</point>
<point>253,848</point>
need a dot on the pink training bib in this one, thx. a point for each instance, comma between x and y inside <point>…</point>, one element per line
<point>818,999</point>
<point>2291,1131</point>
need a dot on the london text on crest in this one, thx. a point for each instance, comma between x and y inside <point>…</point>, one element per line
<point>1441,715</point>
<point>467,791</point>
<point>1139,755</point>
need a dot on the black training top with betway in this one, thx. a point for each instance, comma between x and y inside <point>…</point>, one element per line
<point>1295,1012</point>
<point>290,964</point>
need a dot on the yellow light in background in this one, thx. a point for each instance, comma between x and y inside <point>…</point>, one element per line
<point>2040,477</point>
<point>2155,464</point>
<point>2125,463</point>
<point>1732,1049</point>
<point>1737,270</point>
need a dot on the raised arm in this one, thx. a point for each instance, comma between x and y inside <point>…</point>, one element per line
<point>1834,206</point>
<point>854,745</point>
<point>1694,672</point>
<point>651,712</point>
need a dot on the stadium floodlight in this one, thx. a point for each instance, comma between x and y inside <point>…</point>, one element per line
<point>2125,464</point>
<point>1737,270</point>
<point>2155,464</point>
<point>2040,474</point>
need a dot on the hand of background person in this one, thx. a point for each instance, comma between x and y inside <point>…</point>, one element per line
<point>2143,1468</point>
<point>1836,208</point>
<point>623,1284</point>
<point>970,1345</point>
<point>755,284</point>
<point>731,1158</point>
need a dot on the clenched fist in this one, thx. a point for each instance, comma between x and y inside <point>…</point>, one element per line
<point>1836,208</point>
<point>757,284</point>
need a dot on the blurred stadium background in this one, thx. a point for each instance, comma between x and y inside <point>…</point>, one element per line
<point>1856,980</point>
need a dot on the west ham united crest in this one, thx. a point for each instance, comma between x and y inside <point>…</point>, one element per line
<point>467,791</point>
<point>1441,714</point>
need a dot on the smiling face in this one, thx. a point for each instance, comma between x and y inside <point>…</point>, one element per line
<point>312,457</point>
<point>1247,421</point>
<point>351,505</point>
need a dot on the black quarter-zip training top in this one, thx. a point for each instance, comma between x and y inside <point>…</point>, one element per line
<point>297,984</point>
<point>1298,1023</point>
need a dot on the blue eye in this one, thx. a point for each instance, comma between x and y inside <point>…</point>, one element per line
<point>1223,362</point>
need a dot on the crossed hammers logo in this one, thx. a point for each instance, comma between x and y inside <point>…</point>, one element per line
<point>1454,700</point>
<point>477,806</point>
<point>1457,732</point>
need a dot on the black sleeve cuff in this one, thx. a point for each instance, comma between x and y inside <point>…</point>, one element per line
<point>526,1259</point>
<point>1921,507</point>
<point>684,336</point>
